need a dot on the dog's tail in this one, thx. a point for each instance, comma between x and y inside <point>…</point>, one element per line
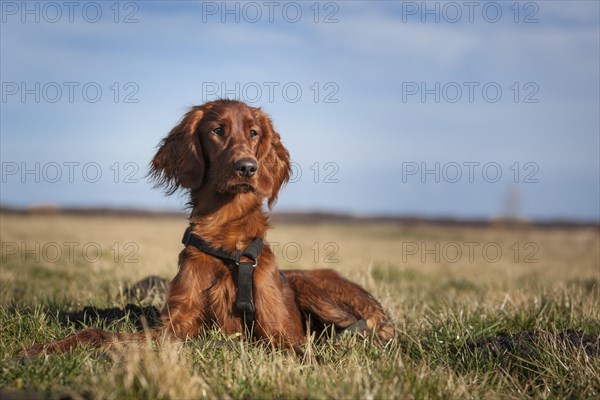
<point>92,337</point>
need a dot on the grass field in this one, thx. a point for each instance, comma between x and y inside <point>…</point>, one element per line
<point>480,312</point>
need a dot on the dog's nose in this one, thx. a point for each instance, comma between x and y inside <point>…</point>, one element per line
<point>246,167</point>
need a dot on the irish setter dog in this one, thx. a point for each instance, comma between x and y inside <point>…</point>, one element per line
<point>229,159</point>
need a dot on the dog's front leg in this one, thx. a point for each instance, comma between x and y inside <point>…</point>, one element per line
<point>187,310</point>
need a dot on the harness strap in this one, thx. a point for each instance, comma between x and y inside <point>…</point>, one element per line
<point>244,301</point>
<point>243,277</point>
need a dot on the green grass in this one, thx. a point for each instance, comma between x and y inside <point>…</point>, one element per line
<point>441,310</point>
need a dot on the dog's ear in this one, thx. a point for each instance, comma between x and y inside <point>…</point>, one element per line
<point>179,161</point>
<point>273,160</point>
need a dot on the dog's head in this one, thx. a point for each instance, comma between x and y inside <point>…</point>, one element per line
<point>225,145</point>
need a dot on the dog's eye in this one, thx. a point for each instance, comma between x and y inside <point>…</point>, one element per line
<point>253,133</point>
<point>219,130</point>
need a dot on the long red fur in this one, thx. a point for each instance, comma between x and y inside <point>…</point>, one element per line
<point>199,156</point>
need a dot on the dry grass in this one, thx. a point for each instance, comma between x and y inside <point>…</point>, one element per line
<point>442,302</point>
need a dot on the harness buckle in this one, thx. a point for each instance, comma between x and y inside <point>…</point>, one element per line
<point>254,262</point>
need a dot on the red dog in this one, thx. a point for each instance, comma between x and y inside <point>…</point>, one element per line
<point>229,158</point>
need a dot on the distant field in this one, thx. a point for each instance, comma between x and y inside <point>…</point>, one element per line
<point>500,313</point>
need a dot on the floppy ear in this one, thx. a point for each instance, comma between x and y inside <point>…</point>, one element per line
<point>274,160</point>
<point>179,161</point>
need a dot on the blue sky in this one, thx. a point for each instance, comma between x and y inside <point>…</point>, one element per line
<point>386,107</point>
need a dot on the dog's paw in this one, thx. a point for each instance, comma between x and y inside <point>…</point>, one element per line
<point>384,330</point>
<point>28,353</point>
<point>385,333</point>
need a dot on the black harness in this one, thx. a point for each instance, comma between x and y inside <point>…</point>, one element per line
<point>244,301</point>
